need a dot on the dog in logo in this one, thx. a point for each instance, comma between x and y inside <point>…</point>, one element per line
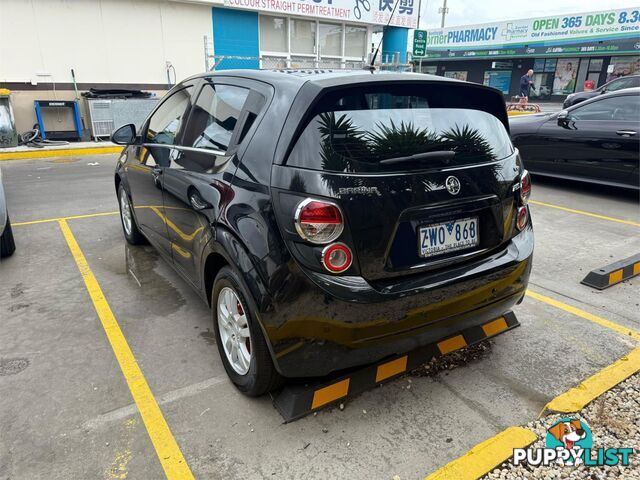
<point>568,433</point>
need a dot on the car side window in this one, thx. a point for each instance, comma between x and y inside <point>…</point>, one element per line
<point>214,116</point>
<point>620,84</point>
<point>622,108</point>
<point>164,127</point>
<point>164,124</point>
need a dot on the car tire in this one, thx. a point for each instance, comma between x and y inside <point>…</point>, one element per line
<point>7,244</point>
<point>132,233</point>
<point>260,376</point>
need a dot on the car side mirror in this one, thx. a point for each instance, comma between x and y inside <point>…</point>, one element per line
<point>125,135</point>
<point>563,118</point>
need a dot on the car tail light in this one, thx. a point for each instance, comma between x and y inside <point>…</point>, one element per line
<point>525,187</point>
<point>336,257</point>
<point>318,221</point>
<point>523,218</point>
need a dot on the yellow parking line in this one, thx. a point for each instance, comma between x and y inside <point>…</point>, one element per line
<point>586,392</point>
<point>167,449</point>
<point>66,152</point>
<point>58,219</point>
<point>586,315</point>
<point>485,456</point>
<point>588,214</point>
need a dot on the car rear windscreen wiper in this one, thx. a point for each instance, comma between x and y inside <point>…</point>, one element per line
<point>444,155</point>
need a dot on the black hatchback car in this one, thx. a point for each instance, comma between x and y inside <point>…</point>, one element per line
<point>330,219</point>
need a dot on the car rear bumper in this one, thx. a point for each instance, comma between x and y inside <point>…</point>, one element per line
<point>321,323</point>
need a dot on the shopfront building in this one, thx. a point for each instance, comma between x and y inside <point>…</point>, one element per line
<point>152,44</point>
<point>567,53</point>
<point>308,33</point>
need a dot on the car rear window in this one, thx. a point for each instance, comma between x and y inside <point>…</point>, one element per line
<point>363,130</point>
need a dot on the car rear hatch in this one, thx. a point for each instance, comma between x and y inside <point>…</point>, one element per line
<point>424,173</point>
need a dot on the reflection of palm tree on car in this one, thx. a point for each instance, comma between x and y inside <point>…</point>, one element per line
<point>347,148</point>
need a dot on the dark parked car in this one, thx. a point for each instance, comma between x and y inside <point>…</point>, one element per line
<point>630,81</point>
<point>330,219</point>
<point>595,141</point>
<point>7,245</point>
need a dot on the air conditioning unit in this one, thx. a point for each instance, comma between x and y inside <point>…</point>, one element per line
<point>108,114</point>
<point>101,116</point>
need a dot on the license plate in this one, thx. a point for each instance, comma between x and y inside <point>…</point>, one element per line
<point>447,237</point>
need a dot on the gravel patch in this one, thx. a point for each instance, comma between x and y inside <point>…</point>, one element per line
<point>453,360</point>
<point>614,420</point>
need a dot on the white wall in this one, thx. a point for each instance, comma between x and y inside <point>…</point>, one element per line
<point>104,41</point>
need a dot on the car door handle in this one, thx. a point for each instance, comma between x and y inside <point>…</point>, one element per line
<point>626,133</point>
<point>155,175</point>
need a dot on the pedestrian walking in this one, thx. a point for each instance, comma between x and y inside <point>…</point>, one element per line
<point>526,84</point>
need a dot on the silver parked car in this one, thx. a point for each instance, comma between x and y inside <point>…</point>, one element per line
<point>7,245</point>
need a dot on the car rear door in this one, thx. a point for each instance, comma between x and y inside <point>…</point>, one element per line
<point>150,159</point>
<point>197,182</point>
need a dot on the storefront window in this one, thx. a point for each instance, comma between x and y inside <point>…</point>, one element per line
<point>303,36</point>
<point>621,66</point>
<point>550,65</point>
<point>541,86</point>
<point>355,42</point>
<point>458,75</point>
<point>595,65</point>
<point>538,65</point>
<point>582,74</point>
<point>273,34</point>
<point>310,43</point>
<point>429,69</point>
<point>564,81</point>
<point>330,39</point>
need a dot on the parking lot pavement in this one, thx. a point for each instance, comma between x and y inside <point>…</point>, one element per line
<point>67,411</point>
<point>63,186</point>
<point>569,245</point>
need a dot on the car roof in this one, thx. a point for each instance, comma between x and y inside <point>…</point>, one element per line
<point>323,77</point>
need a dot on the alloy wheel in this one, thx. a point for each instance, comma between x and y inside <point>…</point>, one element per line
<point>125,212</point>
<point>234,330</point>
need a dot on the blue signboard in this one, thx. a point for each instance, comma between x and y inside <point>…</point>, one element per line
<point>500,80</point>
